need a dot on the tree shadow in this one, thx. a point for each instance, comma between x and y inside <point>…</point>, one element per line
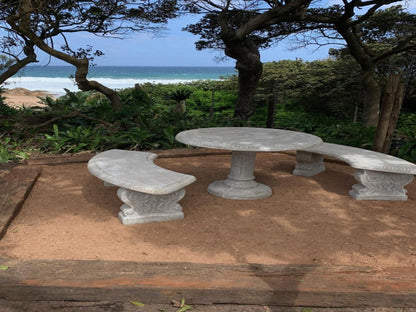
<point>284,283</point>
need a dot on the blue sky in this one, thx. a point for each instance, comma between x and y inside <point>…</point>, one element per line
<point>172,48</point>
<point>176,48</point>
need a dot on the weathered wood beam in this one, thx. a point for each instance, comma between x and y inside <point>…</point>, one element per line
<point>284,285</point>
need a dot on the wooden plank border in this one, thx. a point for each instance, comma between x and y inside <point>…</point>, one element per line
<point>281,285</point>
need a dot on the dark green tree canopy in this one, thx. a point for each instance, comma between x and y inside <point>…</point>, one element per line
<point>379,33</point>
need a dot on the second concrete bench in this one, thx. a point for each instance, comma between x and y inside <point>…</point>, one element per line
<point>380,176</point>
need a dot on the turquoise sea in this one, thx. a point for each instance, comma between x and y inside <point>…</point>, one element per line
<point>54,79</point>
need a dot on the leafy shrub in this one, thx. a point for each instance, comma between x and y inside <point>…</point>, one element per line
<point>404,146</point>
<point>9,150</point>
<point>73,139</point>
<point>81,121</point>
<point>330,129</point>
<point>70,101</point>
<point>5,110</point>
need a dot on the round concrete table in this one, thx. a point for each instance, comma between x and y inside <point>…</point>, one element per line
<point>244,142</point>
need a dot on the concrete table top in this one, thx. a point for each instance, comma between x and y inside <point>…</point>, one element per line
<point>248,139</point>
<point>244,142</point>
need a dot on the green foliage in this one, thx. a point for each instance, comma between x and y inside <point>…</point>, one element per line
<point>147,119</point>
<point>73,139</point>
<point>311,97</point>
<point>347,133</point>
<point>68,102</point>
<point>327,86</point>
<point>329,128</point>
<point>180,94</point>
<point>211,104</point>
<point>4,109</point>
<point>405,144</point>
<point>9,150</point>
<point>387,29</point>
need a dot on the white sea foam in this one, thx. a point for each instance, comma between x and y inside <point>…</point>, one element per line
<point>56,86</point>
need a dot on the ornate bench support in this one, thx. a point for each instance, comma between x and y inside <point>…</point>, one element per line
<point>380,176</point>
<point>142,208</point>
<point>377,185</point>
<point>308,164</point>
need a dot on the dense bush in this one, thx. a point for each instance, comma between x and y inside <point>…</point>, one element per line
<point>404,145</point>
<point>152,114</point>
<point>148,118</point>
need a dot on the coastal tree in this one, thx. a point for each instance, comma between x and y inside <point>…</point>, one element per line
<point>258,24</point>
<point>372,38</point>
<point>241,29</point>
<point>383,43</point>
<point>48,25</point>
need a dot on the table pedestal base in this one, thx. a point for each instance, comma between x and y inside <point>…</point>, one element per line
<point>226,189</point>
<point>240,182</point>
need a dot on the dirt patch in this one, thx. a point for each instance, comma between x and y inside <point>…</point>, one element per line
<point>20,97</point>
<point>71,215</point>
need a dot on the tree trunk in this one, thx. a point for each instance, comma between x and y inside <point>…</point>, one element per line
<point>397,106</point>
<point>391,106</point>
<point>248,78</point>
<point>372,97</point>
<point>249,67</point>
<point>372,92</point>
<point>82,66</point>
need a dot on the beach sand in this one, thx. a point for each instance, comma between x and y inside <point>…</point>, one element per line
<point>19,97</point>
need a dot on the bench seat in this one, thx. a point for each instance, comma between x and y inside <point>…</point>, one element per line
<point>150,193</point>
<point>380,176</point>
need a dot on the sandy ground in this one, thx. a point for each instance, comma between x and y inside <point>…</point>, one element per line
<point>19,97</point>
<point>71,215</point>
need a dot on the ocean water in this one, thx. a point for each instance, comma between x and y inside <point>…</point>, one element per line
<point>54,79</point>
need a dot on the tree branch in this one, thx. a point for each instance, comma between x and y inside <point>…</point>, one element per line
<point>75,114</point>
<point>265,19</point>
<point>20,63</point>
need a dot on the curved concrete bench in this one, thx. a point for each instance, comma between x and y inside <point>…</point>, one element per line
<point>380,176</point>
<point>150,193</point>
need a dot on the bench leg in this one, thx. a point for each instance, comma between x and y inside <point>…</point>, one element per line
<point>376,185</point>
<point>143,208</point>
<point>308,164</point>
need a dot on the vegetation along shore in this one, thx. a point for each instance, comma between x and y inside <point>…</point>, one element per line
<point>295,95</point>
